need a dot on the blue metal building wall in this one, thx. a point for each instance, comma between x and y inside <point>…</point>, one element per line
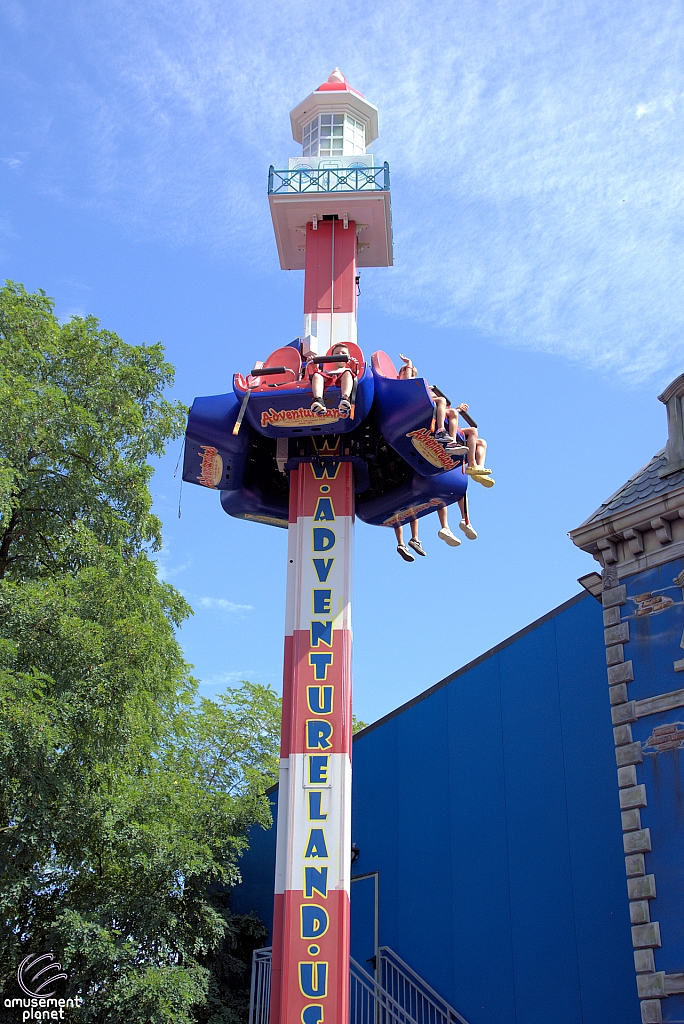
<point>487,805</point>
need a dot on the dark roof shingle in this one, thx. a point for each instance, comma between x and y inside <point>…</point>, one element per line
<point>643,485</point>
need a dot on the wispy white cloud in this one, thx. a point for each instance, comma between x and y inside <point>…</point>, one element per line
<point>72,311</point>
<point>215,685</point>
<point>220,604</point>
<point>535,150</point>
<point>230,678</point>
<point>166,570</point>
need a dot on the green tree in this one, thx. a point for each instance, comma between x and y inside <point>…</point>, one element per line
<point>124,801</point>
<point>80,414</point>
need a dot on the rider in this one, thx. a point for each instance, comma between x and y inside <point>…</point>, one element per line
<point>476,447</point>
<point>414,543</point>
<point>444,533</point>
<point>342,373</point>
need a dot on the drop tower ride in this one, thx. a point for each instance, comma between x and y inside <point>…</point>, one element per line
<point>328,233</point>
<point>276,461</point>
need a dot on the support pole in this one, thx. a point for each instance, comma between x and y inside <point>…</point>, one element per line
<point>330,284</point>
<point>310,974</point>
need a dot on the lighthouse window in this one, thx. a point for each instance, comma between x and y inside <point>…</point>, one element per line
<point>355,136</point>
<point>310,138</point>
<point>333,135</point>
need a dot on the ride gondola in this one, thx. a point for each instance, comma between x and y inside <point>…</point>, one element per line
<point>245,443</point>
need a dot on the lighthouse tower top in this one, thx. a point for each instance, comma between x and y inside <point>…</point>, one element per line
<point>335,120</point>
<point>334,178</point>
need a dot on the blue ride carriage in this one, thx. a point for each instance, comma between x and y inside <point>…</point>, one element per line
<point>244,444</point>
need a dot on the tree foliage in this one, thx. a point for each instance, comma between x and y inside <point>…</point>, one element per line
<point>81,412</point>
<point>124,800</point>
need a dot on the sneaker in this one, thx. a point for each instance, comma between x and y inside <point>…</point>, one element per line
<point>417,546</point>
<point>318,408</point>
<point>447,536</point>
<point>468,530</point>
<point>455,448</point>
<point>405,553</point>
<point>442,436</point>
<point>344,408</point>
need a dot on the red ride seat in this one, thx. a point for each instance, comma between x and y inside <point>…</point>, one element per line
<point>383,365</point>
<point>289,357</point>
<point>356,359</point>
<point>355,353</point>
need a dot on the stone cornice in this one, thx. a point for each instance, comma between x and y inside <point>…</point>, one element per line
<point>638,517</point>
<point>648,534</point>
<point>673,390</point>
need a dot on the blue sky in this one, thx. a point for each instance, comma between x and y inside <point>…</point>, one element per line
<point>535,151</point>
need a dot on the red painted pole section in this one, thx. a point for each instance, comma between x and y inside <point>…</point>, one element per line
<point>310,979</point>
<point>330,282</point>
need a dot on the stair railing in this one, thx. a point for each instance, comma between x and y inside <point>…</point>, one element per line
<point>398,996</point>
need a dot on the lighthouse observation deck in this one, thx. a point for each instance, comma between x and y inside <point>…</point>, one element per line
<point>357,191</point>
<point>355,178</point>
<point>334,178</point>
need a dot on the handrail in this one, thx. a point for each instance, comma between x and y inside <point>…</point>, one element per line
<point>260,986</point>
<point>403,999</point>
<point>427,992</point>
<point>382,998</point>
<point>302,180</point>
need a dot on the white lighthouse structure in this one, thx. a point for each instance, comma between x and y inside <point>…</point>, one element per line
<point>335,181</point>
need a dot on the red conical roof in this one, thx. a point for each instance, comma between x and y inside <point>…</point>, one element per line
<point>337,83</point>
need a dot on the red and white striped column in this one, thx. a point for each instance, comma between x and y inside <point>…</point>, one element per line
<point>330,283</point>
<point>310,979</point>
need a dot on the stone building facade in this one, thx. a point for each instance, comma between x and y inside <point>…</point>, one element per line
<point>637,536</point>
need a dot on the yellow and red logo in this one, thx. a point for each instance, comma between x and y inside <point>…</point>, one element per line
<point>431,450</point>
<point>410,513</point>
<point>211,466</point>
<point>296,417</point>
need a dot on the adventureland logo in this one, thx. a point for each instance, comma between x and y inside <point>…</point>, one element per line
<point>35,974</point>
<point>410,513</point>
<point>297,417</point>
<point>423,441</point>
<point>211,466</point>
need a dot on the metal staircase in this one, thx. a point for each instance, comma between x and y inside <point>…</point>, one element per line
<point>400,996</point>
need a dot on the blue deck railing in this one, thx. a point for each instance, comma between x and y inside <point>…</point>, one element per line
<point>328,179</point>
